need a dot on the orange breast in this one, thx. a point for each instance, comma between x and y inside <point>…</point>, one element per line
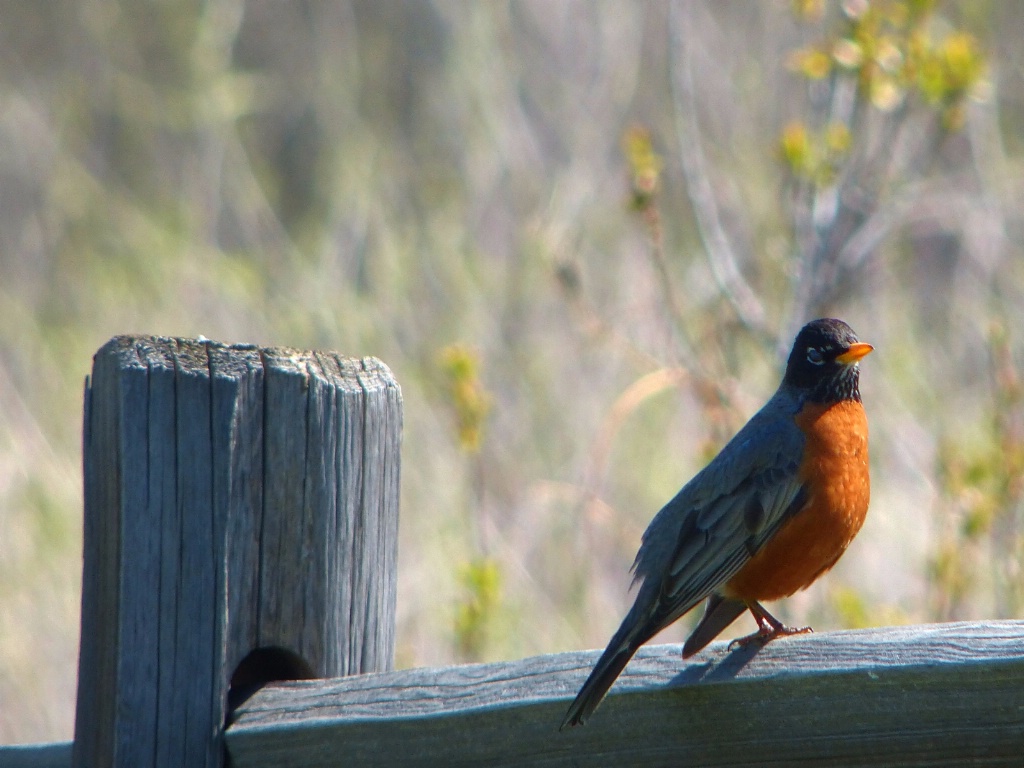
<point>834,471</point>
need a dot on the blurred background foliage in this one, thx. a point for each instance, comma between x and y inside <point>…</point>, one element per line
<point>581,234</point>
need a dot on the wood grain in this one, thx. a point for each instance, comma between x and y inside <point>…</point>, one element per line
<point>235,499</point>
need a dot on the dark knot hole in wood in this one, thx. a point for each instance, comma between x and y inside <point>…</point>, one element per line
<point>261,666</point>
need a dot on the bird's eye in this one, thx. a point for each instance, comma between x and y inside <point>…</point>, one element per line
<point>814,356</point>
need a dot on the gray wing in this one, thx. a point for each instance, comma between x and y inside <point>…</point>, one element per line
<point>721,518</point>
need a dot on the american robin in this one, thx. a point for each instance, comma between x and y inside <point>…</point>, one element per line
<point>769,515</point>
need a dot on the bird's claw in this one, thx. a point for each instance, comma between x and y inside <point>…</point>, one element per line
<point>766,634</point>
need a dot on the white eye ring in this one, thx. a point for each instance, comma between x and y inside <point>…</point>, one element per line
<point>814,356</point>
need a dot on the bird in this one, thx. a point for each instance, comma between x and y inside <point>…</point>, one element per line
<point>773,511</point>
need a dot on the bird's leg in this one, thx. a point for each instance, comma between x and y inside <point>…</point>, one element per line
<point>768,628</point>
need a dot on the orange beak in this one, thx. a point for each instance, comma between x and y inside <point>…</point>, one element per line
<point>854,353</point>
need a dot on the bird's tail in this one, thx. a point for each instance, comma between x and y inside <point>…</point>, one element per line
<point>612,662</point>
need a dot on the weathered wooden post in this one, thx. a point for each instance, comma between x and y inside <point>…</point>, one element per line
<point>241,515</point>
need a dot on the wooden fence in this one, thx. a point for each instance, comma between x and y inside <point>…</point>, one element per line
<point>241,509</point>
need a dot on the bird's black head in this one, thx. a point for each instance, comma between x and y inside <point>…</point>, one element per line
<point>824,361</point>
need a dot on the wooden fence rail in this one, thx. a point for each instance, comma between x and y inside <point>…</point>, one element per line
<point>942,694</point>
<point>241,527</point>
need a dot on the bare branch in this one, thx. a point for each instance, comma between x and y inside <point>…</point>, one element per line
<point>719,250</point>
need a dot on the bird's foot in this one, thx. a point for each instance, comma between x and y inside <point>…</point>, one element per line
<point>768,628</point>
<point>765,635</point>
